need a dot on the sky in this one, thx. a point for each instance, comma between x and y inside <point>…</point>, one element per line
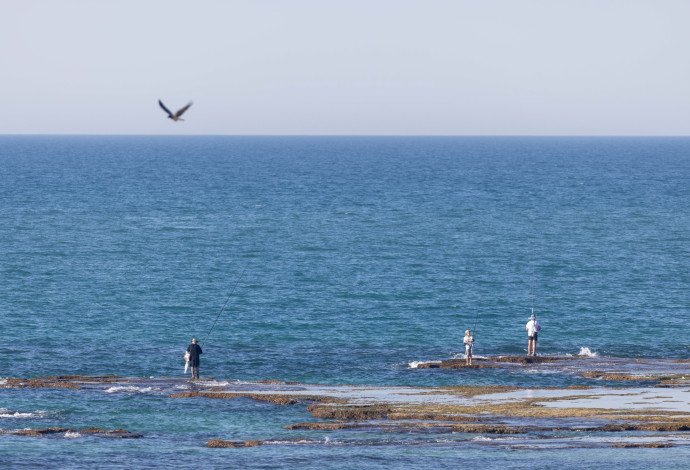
<point>350,67</point>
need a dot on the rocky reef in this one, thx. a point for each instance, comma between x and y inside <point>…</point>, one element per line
<point>629,398</point>
<point>62,432</point>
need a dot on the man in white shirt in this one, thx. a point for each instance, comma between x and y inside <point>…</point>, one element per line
<point>532,328</point>
<point>469,346</point>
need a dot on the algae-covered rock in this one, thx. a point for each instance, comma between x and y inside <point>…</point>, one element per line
<point>220,443</point>
<point>348,412</point>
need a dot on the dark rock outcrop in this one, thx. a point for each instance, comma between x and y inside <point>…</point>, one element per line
<point>46,432</point>
<point>220,443</point>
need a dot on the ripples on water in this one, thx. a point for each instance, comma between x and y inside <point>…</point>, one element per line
<point>360,255</point>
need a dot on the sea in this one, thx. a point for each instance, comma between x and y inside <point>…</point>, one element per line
<point>326,260</point>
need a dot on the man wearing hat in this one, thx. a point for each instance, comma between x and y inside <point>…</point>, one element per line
<point>532,328</point>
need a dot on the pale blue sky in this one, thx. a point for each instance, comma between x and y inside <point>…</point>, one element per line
<point>391,67</point>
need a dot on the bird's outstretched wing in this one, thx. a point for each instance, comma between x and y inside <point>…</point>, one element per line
<point>164,108</point>
<point>182,110</point>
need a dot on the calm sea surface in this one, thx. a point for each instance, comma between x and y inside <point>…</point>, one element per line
<point>342,261</point>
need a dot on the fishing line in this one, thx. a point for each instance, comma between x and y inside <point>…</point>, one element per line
<point>474,330</point>
<point>225,305</point>
<point>532,280</point>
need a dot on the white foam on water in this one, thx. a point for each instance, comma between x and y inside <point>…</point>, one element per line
<point>72,435</point>
<point>543,371</point>
<point>129,388</point>
<point>218,383</point>
<point>584,351</point>
<point>416,364</point>
<point>5,413</point>
<point>496,439</point>
<point>464,356</point>
<point>296,442</point>
<point>15,414</point>
<point>461,355</point>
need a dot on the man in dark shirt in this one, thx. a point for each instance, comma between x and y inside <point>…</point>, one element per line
<point>194,350</point>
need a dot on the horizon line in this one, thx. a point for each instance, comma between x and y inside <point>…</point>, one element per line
<point>349,135</point>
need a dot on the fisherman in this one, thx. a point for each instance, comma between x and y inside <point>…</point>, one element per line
<point>469,346</point>
<point>194,350</point>
<point>532,328</point>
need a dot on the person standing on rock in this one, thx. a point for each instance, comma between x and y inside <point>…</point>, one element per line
<point>469,346</point>
<point>532,328</point>
<point>194,351</point>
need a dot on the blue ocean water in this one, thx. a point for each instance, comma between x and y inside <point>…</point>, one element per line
<point>342,260</point>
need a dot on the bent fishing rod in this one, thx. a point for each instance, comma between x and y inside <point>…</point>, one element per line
<point>224,305</point>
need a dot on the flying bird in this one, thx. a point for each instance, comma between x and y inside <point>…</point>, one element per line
<point>176,116</point>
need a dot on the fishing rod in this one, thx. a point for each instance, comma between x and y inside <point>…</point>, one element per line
<point>474,330</point>
<point>532,280</point>
<point>224,305</point>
